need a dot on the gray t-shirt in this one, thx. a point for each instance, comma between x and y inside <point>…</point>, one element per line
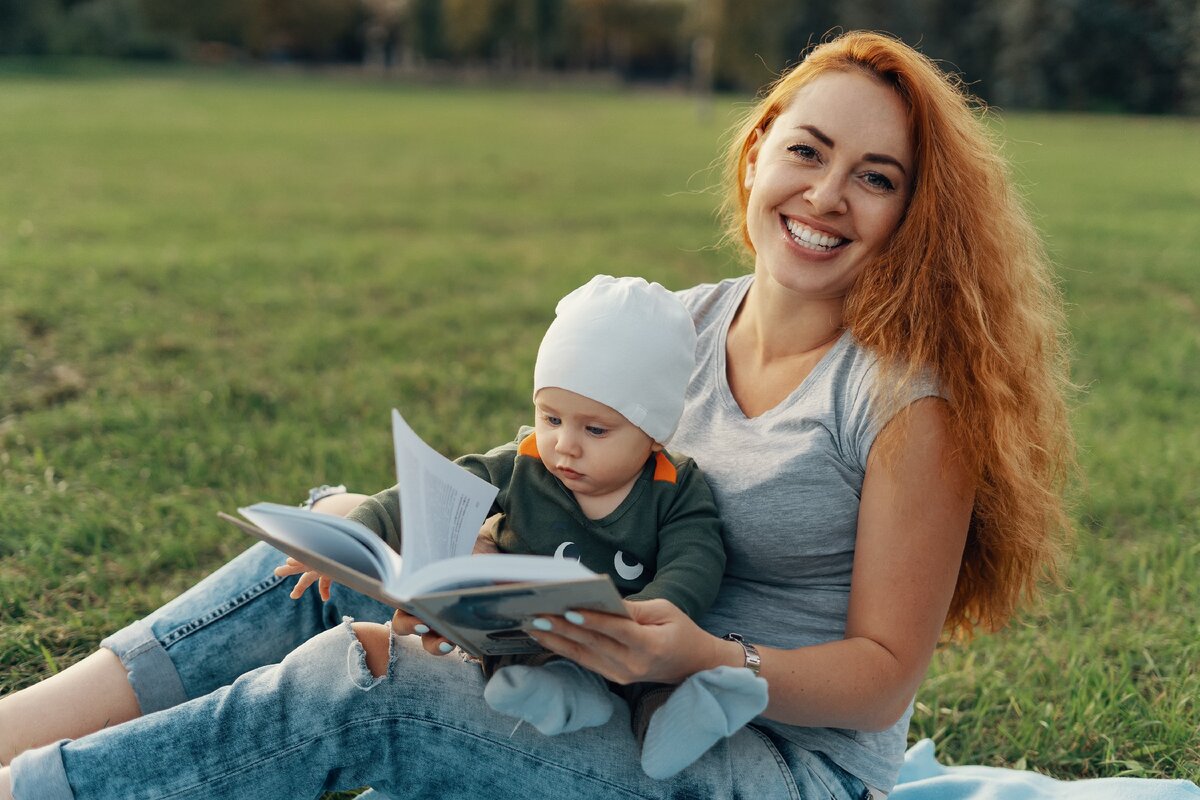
<point>788,484</point>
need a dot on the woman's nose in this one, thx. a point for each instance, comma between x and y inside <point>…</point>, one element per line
<point>827,194</point>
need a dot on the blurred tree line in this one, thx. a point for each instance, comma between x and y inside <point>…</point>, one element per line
<point>1119,55</point>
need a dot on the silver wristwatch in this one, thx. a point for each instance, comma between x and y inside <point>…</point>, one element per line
<point>753,659</point>
<point>320,493</point>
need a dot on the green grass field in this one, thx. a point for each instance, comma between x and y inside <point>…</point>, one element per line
<point>213,287</point>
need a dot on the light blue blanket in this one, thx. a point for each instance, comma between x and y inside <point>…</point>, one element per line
<point>923,778</point>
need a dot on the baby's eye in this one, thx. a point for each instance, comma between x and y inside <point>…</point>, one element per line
<point>596,430</point>
<point>807,152</point>
<point>552,420</point>
<point>879,181</point>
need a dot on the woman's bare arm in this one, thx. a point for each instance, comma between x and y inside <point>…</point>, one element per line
<point>912,527</point>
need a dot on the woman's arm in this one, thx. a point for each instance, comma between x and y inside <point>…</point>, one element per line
<point>912,527</point>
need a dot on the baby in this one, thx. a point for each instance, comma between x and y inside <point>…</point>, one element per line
<point>592,481</point>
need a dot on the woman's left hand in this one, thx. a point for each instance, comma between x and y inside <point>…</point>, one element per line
<point>660,644</point>
<point>307,578</point>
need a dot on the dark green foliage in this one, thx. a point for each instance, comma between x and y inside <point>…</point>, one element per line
<point>1092,55</point>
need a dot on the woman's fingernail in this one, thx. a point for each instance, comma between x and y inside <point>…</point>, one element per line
<point>574,617</point>
<point>421,629</point>
<point>541,624</point>
<point>445,647</point>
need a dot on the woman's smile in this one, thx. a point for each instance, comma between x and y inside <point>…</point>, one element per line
<point>811,239</point>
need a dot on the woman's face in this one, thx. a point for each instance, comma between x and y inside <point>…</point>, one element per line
<point>828,183</point>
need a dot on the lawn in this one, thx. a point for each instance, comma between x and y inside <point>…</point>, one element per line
<point>213,286</point>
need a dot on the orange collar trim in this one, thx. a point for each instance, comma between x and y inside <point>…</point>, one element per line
<point>528,447</point>
<point>664,470</point>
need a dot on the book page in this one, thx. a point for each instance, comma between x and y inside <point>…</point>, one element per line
<point>309,532</point>
<point>331,545</point>
<point>442,506</point>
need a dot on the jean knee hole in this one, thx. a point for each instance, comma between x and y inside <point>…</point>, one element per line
<point>357,667</point>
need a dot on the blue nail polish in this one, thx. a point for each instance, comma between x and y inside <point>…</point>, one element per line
<point>541,624</point>
<point>445,647</point>
<point>421,629</point>
<point>574,617</point>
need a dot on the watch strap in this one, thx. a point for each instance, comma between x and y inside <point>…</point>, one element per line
<point>753,659</point>
<point>321,492</point>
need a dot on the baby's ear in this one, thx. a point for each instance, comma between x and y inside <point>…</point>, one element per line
<point>656,448</point>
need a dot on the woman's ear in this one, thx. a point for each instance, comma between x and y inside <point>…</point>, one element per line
<point>756,138</point>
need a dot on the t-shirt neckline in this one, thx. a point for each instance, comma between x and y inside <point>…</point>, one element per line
<point>801,389</point>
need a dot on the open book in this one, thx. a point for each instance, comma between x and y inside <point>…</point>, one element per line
<point>481,603</point>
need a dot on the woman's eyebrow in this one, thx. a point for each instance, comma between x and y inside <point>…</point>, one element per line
<point>874,158</point>
<point>880,158</point>
<point>817,132</point>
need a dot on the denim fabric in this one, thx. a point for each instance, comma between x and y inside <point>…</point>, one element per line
<point>235,620</point>
<point>318,721</point>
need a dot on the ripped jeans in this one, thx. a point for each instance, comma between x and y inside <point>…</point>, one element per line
<point>249,694</point>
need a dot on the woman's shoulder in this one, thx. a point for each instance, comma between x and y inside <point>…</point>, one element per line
<point>707,301</point>
<point>907,382</point>
<point>869,387</point>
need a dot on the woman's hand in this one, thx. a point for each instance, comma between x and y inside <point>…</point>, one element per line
<point>659,644</point>
<point>307,578</point>
<point>340,505</point>
<point>407,625</point>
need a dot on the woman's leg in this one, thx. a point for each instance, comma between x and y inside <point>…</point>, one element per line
<point>235,620</point>
<point>322,720</point>
<point>85,697</point>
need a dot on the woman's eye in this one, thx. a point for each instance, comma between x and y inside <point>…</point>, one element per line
<point>807,152</point>
<point>879,181</point>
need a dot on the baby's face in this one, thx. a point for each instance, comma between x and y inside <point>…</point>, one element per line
<point>591,448</point>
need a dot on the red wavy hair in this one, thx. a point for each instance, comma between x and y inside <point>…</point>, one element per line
<point>964,290</point>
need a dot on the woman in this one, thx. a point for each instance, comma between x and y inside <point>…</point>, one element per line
<point>879,409</point>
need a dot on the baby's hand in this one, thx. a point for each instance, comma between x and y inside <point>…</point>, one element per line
<point>406,625</point>
<point>307,578</point>
<point>489,534</point>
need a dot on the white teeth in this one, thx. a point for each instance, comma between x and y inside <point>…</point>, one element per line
<point>810,238</point>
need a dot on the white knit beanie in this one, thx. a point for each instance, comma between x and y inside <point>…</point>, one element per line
<point>626,343</point>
